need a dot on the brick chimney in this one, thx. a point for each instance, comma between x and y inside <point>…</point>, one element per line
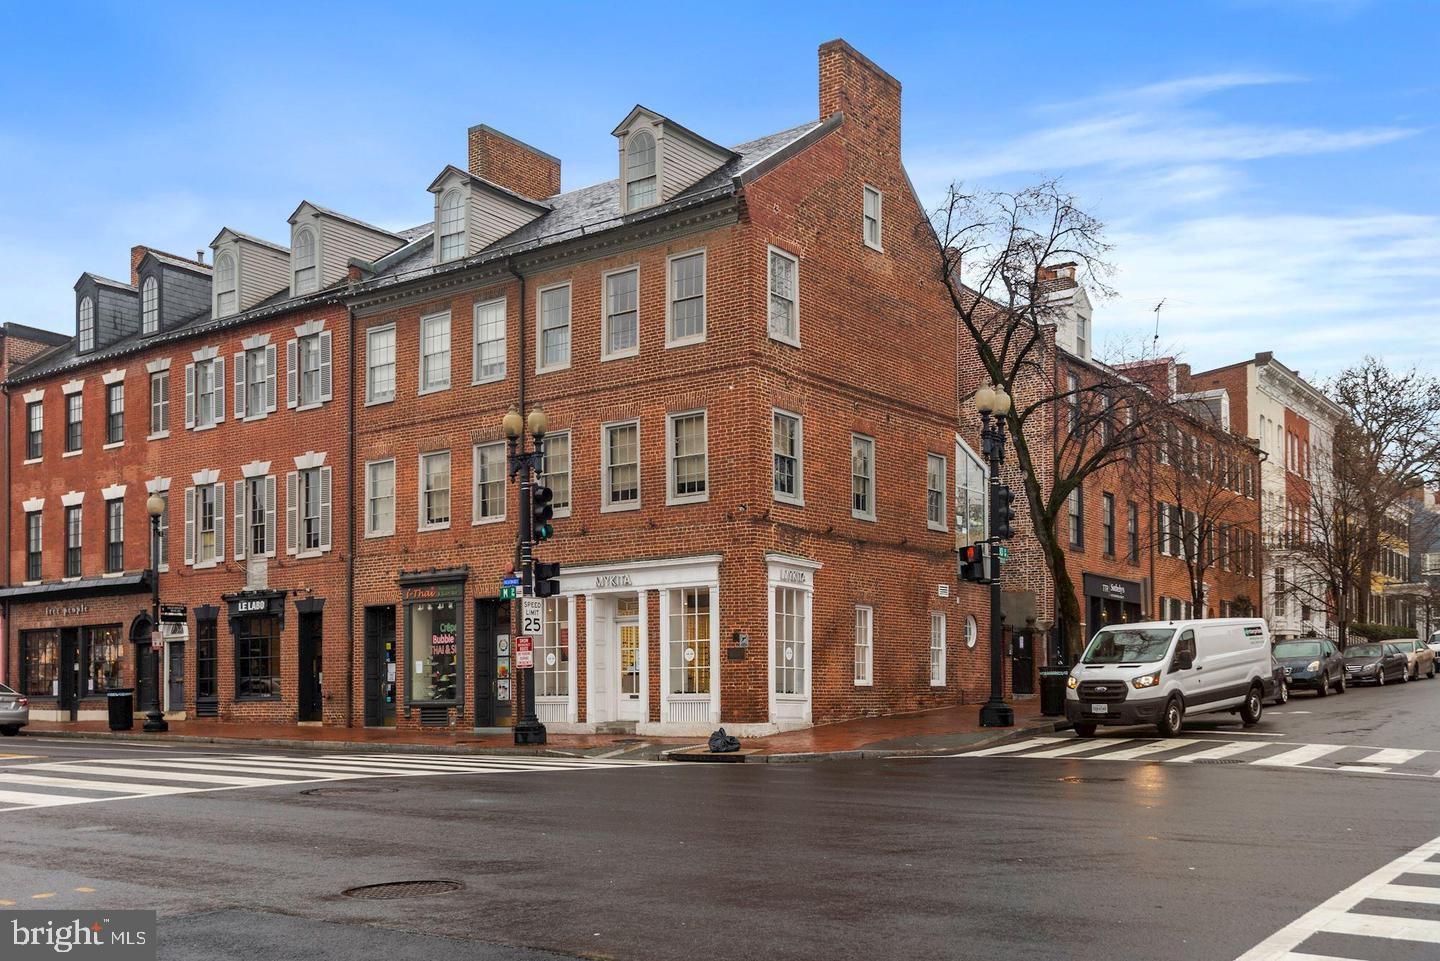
<point>850,83</point>
<point>137,254</point>
<point>512,164</point>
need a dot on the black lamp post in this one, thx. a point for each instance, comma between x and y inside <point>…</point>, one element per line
<point>525,465</point>
<point>994,404</point>
<point>155,717</point>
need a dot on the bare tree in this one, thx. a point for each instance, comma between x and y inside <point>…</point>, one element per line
<point>1002,256</point>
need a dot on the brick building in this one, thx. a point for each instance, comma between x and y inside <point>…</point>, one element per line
<point>749,369</point>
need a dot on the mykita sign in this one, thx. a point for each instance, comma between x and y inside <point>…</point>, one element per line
<point>112,935</point>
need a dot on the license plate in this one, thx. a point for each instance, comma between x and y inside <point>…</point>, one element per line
<point>1099,708</point>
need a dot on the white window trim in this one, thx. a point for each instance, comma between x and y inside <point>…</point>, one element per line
<point>475,519</point>
<point>605,352</point>
<point>475,378</point>
<point>870,514</point>
<point>672,498</point>
<point>540,367</point>
<point>704,298</point>
<point>944,648</point>
<point>869,679</point>
<point>156,368</point>
<point>394,496</point>
<point>879,217</point>
<point>380,329</point>
<point>606,507</point>
<point>944,492</point>
<point>570,470</point>
<point>420,366</point>
<point>771,251</point>
<point>798,498</point>
<point>420,491</point>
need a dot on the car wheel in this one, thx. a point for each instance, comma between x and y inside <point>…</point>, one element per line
<point>1380,677</point>
<point>10,730</point>
<point>1252,708</point>
<point>1284,697</point>
<point>1085,730</point>
<point>1341,684</point>
<point>1431,673</point>
<point>1172,719</point>
<point>1405,675</point>
<point>1323,688</point>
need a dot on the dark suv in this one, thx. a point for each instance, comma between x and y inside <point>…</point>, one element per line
<point>1312,663</point>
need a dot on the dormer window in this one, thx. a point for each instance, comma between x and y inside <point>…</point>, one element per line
<point>226,296</point>
<point>306,274</point>
<point>87,324</point>
<point>149,306</point>
<point>452,226</point>
<point>640,171</point>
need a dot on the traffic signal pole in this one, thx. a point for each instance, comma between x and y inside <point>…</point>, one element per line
<point>524,466</point>
<point>995,712</point>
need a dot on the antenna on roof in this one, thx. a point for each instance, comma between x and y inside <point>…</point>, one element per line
<point>1156,342</point>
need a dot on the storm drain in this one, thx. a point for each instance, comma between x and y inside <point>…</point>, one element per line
<point>1220,760</point>
<point>343,791</point>
<point>1072,779</point>
<point>393,890</point>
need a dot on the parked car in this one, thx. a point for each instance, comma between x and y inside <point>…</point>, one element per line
<point>1151,673</point>
<point>1434,642</point>
<point>1277,688</point>
<point>1420,657</point>
<point>1314,664</point>
<point>14,711</point>
<point>1376,663</point>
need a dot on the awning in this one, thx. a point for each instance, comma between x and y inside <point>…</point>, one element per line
<point>83,587</point>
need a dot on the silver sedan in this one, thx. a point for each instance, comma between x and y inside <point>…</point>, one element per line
<point>14,711</point>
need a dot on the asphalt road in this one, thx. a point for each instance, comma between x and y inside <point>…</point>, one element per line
<point>1001,857</point>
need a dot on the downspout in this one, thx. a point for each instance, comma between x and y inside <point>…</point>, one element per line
<point>9,495</point>
<point>350,529</point>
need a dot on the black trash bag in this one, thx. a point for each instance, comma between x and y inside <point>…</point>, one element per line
<point>722,743</point>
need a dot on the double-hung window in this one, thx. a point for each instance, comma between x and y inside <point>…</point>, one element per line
<point>161,535</point>
<point>115,413</point>
<point>489,356</point>
<point>205,524</point>
<point>873,215</point>
<point>1162,527</point>
<point>935,471</point>
<point>687,299</point>
<point>784,321</point>
<point>307,278</point>
<point>621,337</point>
<point>970,491</point>
<point>226,293</point>
<point>620,466</point>
<point>435,352</point>
<point>640,186</point>
<point>160,403</point>
<point>149,306</point>
<point>204,393</point>
<point>255,382</point>
<point>489,502</point>
<point>864,645</point>
<point>452,225</point>
<point>308,511</point>
<point>787,438</point>
<point>255,517</point>
<point>74,421</point>
<point>1107,519</point>
<point>862,477</point>
<point>1132,532</point>
<point>73,519</point>
<point>310,376</point>
<point>557,471</point>
<point>554,321</point>
<point>87,325</point>
<point>34,430</point>
<point>115,535</point>
<point>380,364</point>
<point>689,461</point>
<point>937,649</point>
<point>33,545</point>
<point>380,498</point>
<point>1075,512</point>
<point>435,490</point>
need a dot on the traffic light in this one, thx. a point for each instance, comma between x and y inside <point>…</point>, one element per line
<point>1004,512</point>
<point>546,584</point>
<point>540,513</point>
<point>972,563</point>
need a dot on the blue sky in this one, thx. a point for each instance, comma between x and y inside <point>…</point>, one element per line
<point>1265,166</point>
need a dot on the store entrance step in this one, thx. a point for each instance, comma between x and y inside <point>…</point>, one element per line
<point>615,727</point>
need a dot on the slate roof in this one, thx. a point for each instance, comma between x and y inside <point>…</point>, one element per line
<point>183,263</point>
<point>345,217</point>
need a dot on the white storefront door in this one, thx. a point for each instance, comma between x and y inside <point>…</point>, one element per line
<point>631,654</point>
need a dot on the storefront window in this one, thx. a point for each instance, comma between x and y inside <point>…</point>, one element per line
<point>552,651</point>
<point>206,660</point>
<point>257,656</point>
<point>40,663</point>
<point>690,635</point>
<point>789,641</point>
<point>433,629</point>
<point>106,651</point>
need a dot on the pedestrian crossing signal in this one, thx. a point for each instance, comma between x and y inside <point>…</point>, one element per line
<point>972,563</point>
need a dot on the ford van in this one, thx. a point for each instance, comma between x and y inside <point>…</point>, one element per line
<point>1161,672</point>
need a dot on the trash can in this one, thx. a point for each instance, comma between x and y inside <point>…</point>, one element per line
<point>1052,690</point>
<point>121,703</point>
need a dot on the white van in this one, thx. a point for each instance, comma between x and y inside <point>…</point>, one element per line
<point>1158,672</point>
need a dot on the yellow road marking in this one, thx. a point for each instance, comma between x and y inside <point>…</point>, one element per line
<point>6,903</point>
<point>84,890</point>
<point>21,757</point>
<point>41,897</point>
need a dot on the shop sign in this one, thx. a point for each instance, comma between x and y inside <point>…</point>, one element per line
<point>173,612</point>
<point>67,610</point>
<point>604,581</point>
<point>450,590</point>
<point>241,605</point>
<point>790,575</point>
<point>524,653</point>
<point>1112,588</point>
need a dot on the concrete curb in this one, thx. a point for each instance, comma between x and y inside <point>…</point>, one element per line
<point>810,757</point>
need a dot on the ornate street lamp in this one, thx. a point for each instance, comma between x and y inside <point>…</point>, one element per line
<point>993,403</point>
<point>524,466</point>
<point>155,717</point>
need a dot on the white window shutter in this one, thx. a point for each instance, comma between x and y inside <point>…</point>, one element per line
<point>220,521</point>
<point>325,371</point>
<point>270,513</point>
<point>218,370</point>
<point>189,395</point>
<point>240,526</point>
<point>189,520</point>
<point>324,508</point>
<point>240,386</point>
<point>272,368</point>
<point>292,373</point>
<point>292,514</point>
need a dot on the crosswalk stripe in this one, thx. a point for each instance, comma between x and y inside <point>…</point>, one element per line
<point>179,766</point>
<point>118,787</point>
<point>1082,744</point>
<point>492,759</point>
<point>507,763</point>
<point>1424,867</point>
<point>195,777</point>
<point>1390,755</point>
<point>1014,746</point>
<point>1382,926</point>
<point>1224,750</point>
<point>1412,893</point>
<point>1299,755</point>
<point>1154,747</point>
<point>33,800</point>
<point>298,768</point>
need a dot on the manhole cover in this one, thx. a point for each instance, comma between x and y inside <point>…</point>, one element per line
<point>342,791</point>
<point>1220,760</point>
<point>1072,779</point>
<point>392,890</point>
